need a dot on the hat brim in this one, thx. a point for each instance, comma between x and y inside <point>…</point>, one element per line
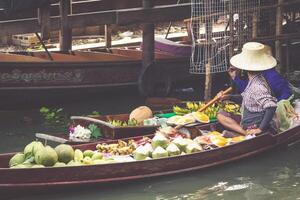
<point>261,63</point>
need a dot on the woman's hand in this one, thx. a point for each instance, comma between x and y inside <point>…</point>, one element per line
<point>255,131</point>
<point>221,96</point>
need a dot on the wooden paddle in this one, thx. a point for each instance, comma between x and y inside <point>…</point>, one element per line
<point>214,100</point>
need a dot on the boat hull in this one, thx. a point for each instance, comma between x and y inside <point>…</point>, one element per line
<point>47,81</point>
<point>54,178</point>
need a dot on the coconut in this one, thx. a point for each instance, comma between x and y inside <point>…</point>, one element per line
<point>36,147</point>
<point>180,142</point>
<point>159,140</point>
<point>65,153</point>
<point>97,156</point>
<point>141,113</point>
<point>140,153</point>
<point>148,148</point>
<point>193,147</point>
<point>173,150</point>
<point>159,152</point>
<point>46,156</point>
<point>88,153</point>
<point>17,159</point>
<point>78,155</point>
<point>28,150</point>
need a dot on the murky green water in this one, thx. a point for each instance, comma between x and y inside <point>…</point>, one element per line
<point>273,175</point>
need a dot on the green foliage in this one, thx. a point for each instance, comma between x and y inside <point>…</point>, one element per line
<point>95,131</point>
<point>55,117</point>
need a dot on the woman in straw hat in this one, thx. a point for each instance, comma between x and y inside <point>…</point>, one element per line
<point>258,104</point>
<point>279,86</point>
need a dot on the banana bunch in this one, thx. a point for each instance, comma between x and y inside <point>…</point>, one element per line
<point>212,111</point>
<point>119,123</point>
<point>180,111</point>
<point>120,148</point>
<point>232,108</point>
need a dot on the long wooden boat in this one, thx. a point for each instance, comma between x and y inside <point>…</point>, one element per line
<point>46,179</point>
<point>109,132</point>
<point>83,72</point>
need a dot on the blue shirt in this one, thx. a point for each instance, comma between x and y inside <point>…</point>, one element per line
<point>279,86</point>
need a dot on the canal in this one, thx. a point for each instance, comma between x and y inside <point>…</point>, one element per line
<point>272,175</point>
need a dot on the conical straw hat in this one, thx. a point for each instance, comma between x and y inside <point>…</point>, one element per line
<point>254,57</point>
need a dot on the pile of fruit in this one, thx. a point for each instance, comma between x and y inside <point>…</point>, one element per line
<point>211,111</point>
<point>231,108</point>
<point>36,155</point>
<point>120,148</point>
<point>119,123</point>
<point>166,142</point>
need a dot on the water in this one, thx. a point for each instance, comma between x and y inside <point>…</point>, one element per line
<point>272,175</point>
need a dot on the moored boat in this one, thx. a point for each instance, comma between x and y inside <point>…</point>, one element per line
<point>12,180</point>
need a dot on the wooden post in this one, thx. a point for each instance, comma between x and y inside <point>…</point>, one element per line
<point>65,35</point>
<point>44,21</point>
<point>148,38</point>
<point>231,27</point>
<point>208,65</point>
<point>146,76</point>
<point>254,25</point>
<point>107,30</point>
<point>278,44</point>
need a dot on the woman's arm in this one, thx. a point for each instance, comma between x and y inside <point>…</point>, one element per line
<point>268,116</point>
<point>279,86</point>
<point>241,84</point>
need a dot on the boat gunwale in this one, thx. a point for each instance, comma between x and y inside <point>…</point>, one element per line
<point>158,159</point>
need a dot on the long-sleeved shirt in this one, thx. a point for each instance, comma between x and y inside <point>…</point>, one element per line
<point>279,86</point>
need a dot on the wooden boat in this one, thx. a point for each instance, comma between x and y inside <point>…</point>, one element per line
<point>109,131</point>
<point>83,72</point>
<point>45,179</point>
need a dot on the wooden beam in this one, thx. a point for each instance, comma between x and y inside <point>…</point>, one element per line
<point>107,36</point>
<point>65,35</point>
<point>146,76</point>
<point>157,14</point>
<point>92,19</point>
<point>44,21</point>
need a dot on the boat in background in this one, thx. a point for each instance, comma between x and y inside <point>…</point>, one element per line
<point>29,76</point>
